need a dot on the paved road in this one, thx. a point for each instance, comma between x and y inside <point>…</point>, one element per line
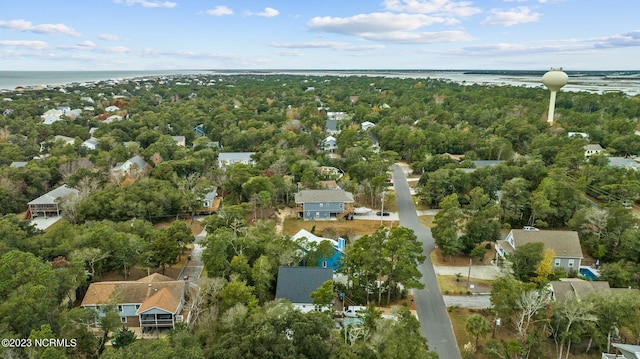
<point>432,312</point>
<point>193,268</point>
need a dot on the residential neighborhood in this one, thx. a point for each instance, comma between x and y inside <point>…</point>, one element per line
<point>196,211</point>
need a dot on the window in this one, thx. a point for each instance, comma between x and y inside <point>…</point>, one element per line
<point>120,308</point>
<point>324,264</point>
<point>123,319</point>
<point>137,306</point>
<point>97,307</point>
<point>557,262</point>
<point>571,262</point>
<point>321,205</point>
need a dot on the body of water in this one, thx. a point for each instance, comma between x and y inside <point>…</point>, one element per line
<point>627,82</point>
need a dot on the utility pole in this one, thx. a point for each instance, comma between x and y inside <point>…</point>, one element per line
<point>382,210</point>
<point>469,275</point>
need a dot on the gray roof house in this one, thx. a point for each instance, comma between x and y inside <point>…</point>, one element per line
<point>133,164</point>
<point>91,144</point>
<point>323,204</point>
<point>565,245</point>
<point>625,163</point>
<point>296,284</point>
<point>47,204</point>
<point>592,149</point>
<point>228,158</point>
<point>627,351</point>
<point>18,164</point>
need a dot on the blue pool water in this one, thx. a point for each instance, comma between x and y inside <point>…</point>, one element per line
<point>587,273</point>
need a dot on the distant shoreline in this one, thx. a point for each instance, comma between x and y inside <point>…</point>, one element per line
<point>624,81</point>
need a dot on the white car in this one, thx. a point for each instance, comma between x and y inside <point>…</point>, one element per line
<point>530,228</point>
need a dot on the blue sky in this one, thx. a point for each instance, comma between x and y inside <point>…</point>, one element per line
<point>327,34</point>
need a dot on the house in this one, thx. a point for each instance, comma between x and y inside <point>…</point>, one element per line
<point>323,204</point>
<point>296,284</point>
<point>566,288</point>
<point>53,115</point>
<point>228,158</point>
<point>592,149</point>
<point>180,140</point>
<point>565,245</point>
<point>152,302</point>
<point>577,135</point>
<point>482,163</point>
<point>309,239</point>
<point>113,118</point>
<point>133,165</point>
<point>48,203</point>
<point>211,201</point>
<point>199,130</point>
<point>627,351</point>
<point>329,144</point>
<point>91,144</point>
<point>367,125</point>
<point>112,108</point>
<point>18,164</point>
<point>58,138</point>
<point>625,163</point>
<point>329,172</point>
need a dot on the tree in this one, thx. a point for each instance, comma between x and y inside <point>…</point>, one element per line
<point>123,338</point>
<point>525,260</point>
<point>477,326</point>
<point>569,318</point>
<point>478,252</point>
<point>447,223</point>
<point>545,268</point>
<point>164,250</point>
<point>402,253</point>
<point>262,276</point>
<point>324,296</point>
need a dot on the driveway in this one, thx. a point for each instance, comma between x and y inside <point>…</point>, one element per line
<point>193,268</point>
<point>432,312</point>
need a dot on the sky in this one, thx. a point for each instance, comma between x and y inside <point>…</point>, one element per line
<point>327,34</point>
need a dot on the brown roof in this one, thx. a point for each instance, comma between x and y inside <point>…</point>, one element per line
<point>152,291</point>
<point>579,288</point>
<point>565,244</point>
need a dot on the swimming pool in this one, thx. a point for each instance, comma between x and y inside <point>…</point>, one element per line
<point>589,273</point>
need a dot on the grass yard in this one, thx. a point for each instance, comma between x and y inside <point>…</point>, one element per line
<point>427,220</point>
<point>357,227</point>
<point>452,285</point>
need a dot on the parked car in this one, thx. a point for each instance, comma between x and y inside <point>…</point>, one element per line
<point>380,213</point>
<point>530,228</point>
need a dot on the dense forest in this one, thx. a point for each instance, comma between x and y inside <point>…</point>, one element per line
<point>541,178</point>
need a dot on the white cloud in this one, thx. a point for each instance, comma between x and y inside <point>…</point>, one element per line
<point>295,53</point>
<point>310,45</point>
<point>87,44</point>
<point>108,37</point>
<point>269,12</point>
<point>389,27</point>
<point>439,7</point>
<point>629,39</point>
<point>220,10</point>
<point>515,16</point>
<point>147,3</point>
<point>372,23</point>
<point>334,45</point>
<point>34,45</point>
<point>27,26</point>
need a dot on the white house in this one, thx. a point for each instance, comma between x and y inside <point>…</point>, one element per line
<point>91,144</point>
<point>228,158</point>
<point>592,149</point>
<point>330,144</point>
<point>367,125</point>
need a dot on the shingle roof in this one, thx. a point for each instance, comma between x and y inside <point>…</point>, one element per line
<point>297,283</point>
<point>565,244</point>
<point>52,196</point>
<point>326,195</point>
<point>153,291</point>
<point>139,161</point>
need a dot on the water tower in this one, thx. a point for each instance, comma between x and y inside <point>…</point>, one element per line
<point>554,80</point>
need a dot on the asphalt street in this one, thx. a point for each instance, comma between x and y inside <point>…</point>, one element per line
<point>432,312</point>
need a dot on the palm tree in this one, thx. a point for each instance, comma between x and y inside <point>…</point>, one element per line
<point>477,326</point>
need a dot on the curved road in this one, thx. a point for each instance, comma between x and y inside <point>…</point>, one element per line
<point>432,312</point>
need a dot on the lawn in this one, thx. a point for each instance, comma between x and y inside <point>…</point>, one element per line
<point>357,227</point>
<point>427,220</point>
<point>452,285</point>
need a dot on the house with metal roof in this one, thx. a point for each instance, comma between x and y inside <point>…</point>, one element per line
<point>48,203</point>
<point>627,351</point>
<point>324,204</point>
<point>152,302</point>
<point>296,284</point>
<point>133,165</point>
<point>565,245</point>
<point>228,158</point>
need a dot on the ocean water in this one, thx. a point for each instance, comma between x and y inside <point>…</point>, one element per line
<point>627,82</point>
<point>9,80</point>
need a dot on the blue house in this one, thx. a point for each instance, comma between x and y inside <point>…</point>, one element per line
<point>324,204</point>
<point>309,240</point>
